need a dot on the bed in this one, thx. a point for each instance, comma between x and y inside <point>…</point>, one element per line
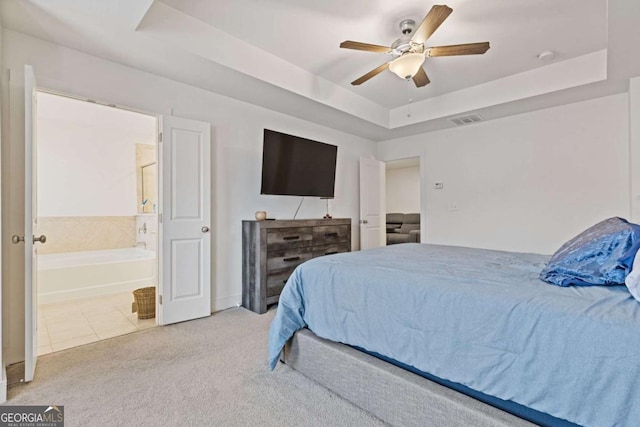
<point>478,322</point>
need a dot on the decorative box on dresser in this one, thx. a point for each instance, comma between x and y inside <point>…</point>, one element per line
<point>271,250</point>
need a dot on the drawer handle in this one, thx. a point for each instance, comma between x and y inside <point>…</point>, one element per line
<point>291,238</point>
<point>330,234</point>
<point>331,253</point>
<point>293,258</point>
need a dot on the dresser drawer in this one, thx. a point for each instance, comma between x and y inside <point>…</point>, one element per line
<point>331,249</point>
<point>280,265</point>
<point>327,234</point>
<point>277,280</point>
<point>290,259</point>
<point>289,238</point>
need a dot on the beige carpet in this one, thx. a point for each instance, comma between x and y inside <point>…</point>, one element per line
<point>205,372</point>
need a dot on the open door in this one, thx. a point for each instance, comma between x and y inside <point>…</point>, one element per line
<point>185,217</point>
<point>30,226</point>
<point>372,203</point>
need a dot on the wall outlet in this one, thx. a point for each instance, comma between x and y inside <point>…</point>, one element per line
<point>438,185</point>
<point>452,207</point>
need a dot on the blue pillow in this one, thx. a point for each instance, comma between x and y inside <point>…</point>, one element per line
<point>600,255</point>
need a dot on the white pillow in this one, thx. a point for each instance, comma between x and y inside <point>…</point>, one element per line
<point>633,279</point>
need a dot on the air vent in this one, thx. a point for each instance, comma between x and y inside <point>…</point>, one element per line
<point>466,120</point>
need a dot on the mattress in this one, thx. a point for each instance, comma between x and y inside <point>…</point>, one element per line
<point>478,318</point>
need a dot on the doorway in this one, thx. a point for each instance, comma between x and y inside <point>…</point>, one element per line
<point>403,201</point>
<point>97,204</point>
<point>183,191</point>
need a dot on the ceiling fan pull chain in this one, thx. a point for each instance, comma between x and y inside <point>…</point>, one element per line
<point>409,96</point>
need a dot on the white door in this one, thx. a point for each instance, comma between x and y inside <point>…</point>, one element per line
<point>372,203</point>
<point>30,226</point>
<point>185,215</point>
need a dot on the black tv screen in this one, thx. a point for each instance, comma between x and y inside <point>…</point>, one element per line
<point>295,166</point>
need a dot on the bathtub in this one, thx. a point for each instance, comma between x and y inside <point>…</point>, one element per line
<point>74,275</point>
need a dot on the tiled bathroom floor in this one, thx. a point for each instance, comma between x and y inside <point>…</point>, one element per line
<point>73,323</point>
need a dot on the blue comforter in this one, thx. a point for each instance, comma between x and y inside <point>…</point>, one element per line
<point>480,318</point>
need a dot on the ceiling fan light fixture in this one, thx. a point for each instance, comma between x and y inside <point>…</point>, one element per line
<point>409,51</point>
<point>407,65</point>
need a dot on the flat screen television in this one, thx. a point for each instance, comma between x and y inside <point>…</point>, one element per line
<point>295,166</point>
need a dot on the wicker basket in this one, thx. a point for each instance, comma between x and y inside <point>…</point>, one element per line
<point>145,302</point>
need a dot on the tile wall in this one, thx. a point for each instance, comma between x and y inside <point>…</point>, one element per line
<point>76,234</point>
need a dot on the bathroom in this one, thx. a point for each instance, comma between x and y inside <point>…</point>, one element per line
<point>97,206</point>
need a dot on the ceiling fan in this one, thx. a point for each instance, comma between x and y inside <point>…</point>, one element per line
<point>409,51</point>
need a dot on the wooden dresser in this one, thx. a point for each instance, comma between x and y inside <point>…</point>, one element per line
<point>271,250</point>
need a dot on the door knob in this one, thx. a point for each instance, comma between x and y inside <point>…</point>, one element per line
<point>17,239</point>
<point>41,239</point>
<point>205,229</point>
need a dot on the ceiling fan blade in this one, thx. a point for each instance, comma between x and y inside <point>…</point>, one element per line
<point>370,74</point>
<point>421,79</point>
<point>458,49</point>
<point>431,22</point>
<point>348,44</point>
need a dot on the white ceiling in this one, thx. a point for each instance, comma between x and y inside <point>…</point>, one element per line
<point>284,54</point>
<point>307,33</point>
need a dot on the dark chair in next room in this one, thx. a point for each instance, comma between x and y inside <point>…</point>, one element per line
<point>403,228</point>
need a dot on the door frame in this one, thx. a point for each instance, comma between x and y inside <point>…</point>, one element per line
<point>423,191</point>
<point>30,223</point>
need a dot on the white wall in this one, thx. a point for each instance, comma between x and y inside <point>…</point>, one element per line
<point>526,182</point>
<point>403,189</point>
<point>237,129</point>
<point>87,157</point>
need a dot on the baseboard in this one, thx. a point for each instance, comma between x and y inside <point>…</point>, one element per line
<point>226,302</point>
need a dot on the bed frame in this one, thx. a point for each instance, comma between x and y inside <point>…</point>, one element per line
<point>390,393</point>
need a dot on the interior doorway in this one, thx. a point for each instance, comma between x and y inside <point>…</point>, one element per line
<point>97,204</point>
<point>183,241</point>
<point>403,201</point>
